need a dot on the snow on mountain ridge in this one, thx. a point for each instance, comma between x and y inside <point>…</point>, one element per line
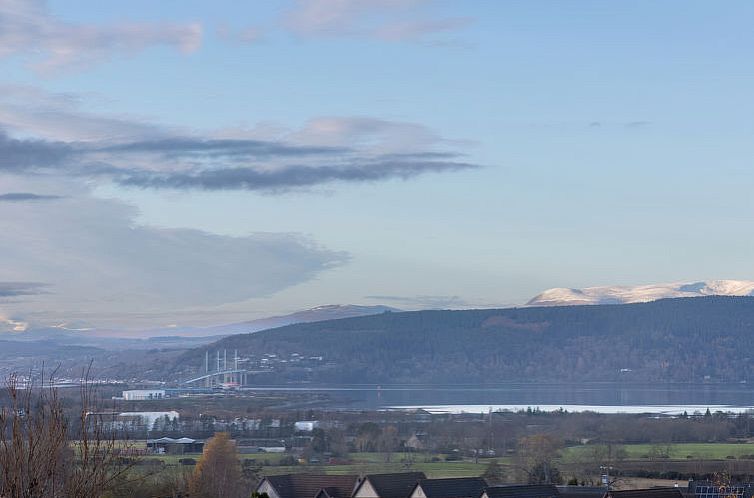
<point>641,293</point>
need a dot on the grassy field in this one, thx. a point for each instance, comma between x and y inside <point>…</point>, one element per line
<point>359,463</point>
<point>370,463</point>
<point>434,469</point>
<point>682,451</point>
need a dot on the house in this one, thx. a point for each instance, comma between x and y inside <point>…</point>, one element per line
<point>398,485</point>
<point>418,441</point>
<point>581,491</point>
<point>522,491</point>
<point>308,486</point>
<point>456,487</point>
<point>332,492</point>
<point>646,493</point>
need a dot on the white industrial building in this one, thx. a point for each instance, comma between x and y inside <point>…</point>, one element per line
<point>306,425</point>
<point>144,394</point>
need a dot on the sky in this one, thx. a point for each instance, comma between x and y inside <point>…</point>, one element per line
<point>196,163</point>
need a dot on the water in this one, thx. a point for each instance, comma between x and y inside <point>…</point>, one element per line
<point>599,397</point>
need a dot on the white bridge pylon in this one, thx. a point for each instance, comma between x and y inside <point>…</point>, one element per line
<point>221,375</point>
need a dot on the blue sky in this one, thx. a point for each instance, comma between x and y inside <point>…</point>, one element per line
<point>478,153</point>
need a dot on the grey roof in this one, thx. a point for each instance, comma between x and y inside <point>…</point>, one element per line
<point>309,485</point>
<point>648,493</point>
<point>397,485</point>
<point>523,491</point>
<point>581,491</point>
<point>455,487</point>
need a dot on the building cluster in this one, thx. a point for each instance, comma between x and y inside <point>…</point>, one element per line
<point>143,395</point>
<point>416,485</point>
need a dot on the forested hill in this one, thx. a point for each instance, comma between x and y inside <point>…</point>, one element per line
<point>707,338</point>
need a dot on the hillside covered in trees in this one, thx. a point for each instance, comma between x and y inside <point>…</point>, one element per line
<point>682,340</point>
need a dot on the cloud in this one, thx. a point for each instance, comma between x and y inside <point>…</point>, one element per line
<point>105,267</point>
<point>218,164</point>
<point>177,147</point>
<point>27,110</point>
<point>15,289</point>
<point>368,133</point>
<point>137,153</point>
<point>27,197</point>
<point>22,155</point>
<point>417,30</point>
<point>290,177</point>
<point>27,28</point>
<point>391,20</point>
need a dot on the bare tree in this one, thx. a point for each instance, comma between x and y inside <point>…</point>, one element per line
<point>40,456</point>
<point>536,457</point>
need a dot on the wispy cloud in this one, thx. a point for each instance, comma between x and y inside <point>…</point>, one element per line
<point>22,155</point>
<point>140,154</point>
<point>103,265</point>
<point>15,289</point>
<point>197,163</point>
<point>26,197</point>
<point>177,147</point>
<point>31,111</point>
<point>391,20</point>
<point>28,28</point>
<point>290,177</point>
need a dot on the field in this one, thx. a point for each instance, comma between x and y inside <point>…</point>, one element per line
<point>364,463</point>
<point>359,463</point>
<point>682,451</point>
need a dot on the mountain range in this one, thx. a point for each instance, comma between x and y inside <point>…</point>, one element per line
<point>680,340</point>
<point>641,293</point>
<point>184,336</point>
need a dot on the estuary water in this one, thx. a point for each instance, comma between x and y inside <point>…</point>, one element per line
<point>598,397</point>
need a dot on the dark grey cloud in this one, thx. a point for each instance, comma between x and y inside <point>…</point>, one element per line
<point>192,147</point>
<point>20,155</point>
<point>26,197</point>
<point>289,177</point>
<point>219,164</point>
<point>15,289</point>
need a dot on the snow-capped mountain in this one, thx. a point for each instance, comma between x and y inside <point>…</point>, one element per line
<point>642,293</point>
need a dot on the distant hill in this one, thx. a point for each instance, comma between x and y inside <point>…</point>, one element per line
<point>642,293</point>
<point>685,340</point>
<point>318,314</point>
<point>184,336</point>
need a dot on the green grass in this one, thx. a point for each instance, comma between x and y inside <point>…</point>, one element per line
<point>360,463</point>
<point>708,451</point>
<point>433,469</point>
